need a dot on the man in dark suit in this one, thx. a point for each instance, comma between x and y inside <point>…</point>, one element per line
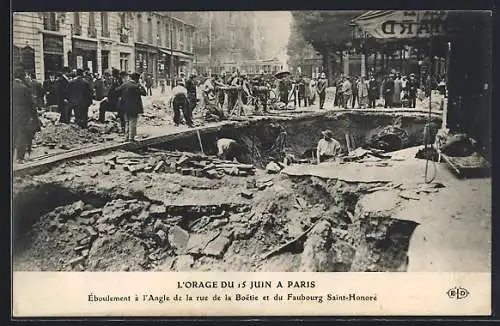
<point>131,104</point>
<point>80,98</point>
<point>62,95</point>
<point>24,115</point>
<point>192,98</point>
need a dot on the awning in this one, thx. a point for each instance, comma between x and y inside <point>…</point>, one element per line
<point>177,54</point>
<point>398,24</point>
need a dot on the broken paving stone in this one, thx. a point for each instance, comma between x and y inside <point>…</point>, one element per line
<point>246,194</point>
<point>178,238</point>
<point>182,160</point>
<point>160,167</point>
<point>89,213</point>
<point>409,195</point>
<point>162,236</point>
<point>80,248</point>
<point>156,209</point>
<point>173,188</point>
<point>148,169</point>
<point>217,247</point>
<point>272,168</point>
<point>251,184</point>
<point>158,225</point>
<point>105,172</point>
<point>184,262</point>
<point>92,232</point>
<point>198,241</point>
<point>76,260</point>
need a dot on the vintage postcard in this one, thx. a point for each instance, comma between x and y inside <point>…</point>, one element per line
<point>251,163</point>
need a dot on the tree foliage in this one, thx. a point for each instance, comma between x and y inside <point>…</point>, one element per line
<point>327,31</point>
<point>298,48</point>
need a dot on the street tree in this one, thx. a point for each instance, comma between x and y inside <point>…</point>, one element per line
<point>329,32</point>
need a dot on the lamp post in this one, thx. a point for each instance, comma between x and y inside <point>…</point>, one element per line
<point>171,54</point>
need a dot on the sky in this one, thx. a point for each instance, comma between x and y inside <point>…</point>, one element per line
<point>277,31</point>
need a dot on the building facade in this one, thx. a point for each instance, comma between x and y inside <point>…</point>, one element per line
<point>44,42</point>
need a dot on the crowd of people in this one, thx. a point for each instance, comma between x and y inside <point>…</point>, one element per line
<point>72,92</point>
<point>395,89</point>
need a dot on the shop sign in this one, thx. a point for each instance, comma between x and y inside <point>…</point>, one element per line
<point>84,45</point>
<point>404,24</point>
<point>53,44</point>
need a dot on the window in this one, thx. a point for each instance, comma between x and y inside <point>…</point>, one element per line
<point>104,24</point>
<point>150,31</point>
<point>139,28</point>
<point>76,19</point>
<point>50,22</point>
<point>167,35</point>
<point>92,30</point>
<point>124,60</point>
<point>158,36</point>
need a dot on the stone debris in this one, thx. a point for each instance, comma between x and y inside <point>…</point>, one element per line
<point>178,238</point>
<point>273,168</point>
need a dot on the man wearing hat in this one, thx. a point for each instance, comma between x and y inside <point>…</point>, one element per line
<point>62,83</point>
<point>191,95</point>
<point>179,102</point>
<point>388,90</point>
<point>24,114</point>
<point>131,104</point>
<point>321,87</point>
<point>328,147</point>
<point>412,90</point>
<point>80,98</point>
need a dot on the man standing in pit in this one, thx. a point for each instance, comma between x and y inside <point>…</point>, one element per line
<point>328,147</point>
<point>321,86</point>
<point>80,98</point>
<point>131,104</point>
<point>191,95</point>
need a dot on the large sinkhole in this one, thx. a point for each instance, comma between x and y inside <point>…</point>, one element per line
<point>297,224</point>
<point>307,224</point>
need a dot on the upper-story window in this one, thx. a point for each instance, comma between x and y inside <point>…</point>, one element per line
<point>104,24</point>
<point>92,30</point>
<point>158,33</point>
<point>139,28</point>
<point>150,31</point>
<point>50,21</point>
<point>77,26</point>
<point>124,28</point>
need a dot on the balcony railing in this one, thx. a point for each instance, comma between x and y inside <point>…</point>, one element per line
<point>51,25</point>
<point>123,38</point>
<point>105,33</point>
<point>92,32</point>
<point>77,30</point>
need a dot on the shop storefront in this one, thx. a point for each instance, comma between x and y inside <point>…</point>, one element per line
<point>146,60</point>
<point>84,55</point>
<point>53,54</point>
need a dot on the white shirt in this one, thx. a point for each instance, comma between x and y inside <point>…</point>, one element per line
<point>328,147</point>
<point>179,89</point>
<point>223,145</point>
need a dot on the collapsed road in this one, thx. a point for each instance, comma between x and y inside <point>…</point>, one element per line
<point>166,206</point>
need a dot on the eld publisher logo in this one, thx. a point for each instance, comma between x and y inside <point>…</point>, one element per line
<point>458,293</point>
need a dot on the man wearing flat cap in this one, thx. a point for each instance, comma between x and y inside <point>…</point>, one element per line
<point>131,104</point>
<point>328,147</point>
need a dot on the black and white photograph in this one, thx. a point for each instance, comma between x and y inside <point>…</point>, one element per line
<point>252,141</point>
